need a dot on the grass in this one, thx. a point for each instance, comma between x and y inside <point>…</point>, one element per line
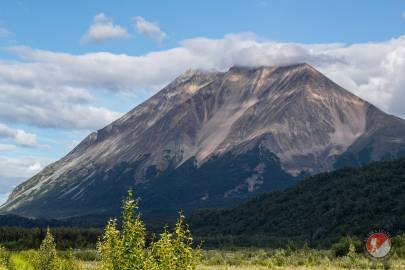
<point>20,262</point>
<point>245,259</point>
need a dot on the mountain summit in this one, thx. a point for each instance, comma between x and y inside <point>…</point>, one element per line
<point>212,139</point>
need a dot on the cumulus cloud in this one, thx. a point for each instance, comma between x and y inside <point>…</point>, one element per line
<point>19,136</point>
<point>149,29</point>
<point>102,29</point>
<point>52,89</point>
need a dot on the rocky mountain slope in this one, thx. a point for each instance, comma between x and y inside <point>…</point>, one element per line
<point>213,139</point>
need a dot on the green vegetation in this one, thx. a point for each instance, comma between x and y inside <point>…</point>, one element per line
<point>319,224</point>
<point>118,249</point>
<point>127,249</point>
<point>226,259</point>
<point>17,238</point>
<point>46,258</point>
<point>319,210</point>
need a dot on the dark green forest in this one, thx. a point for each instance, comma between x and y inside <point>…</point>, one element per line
<point>18,238</point>
<point>319,210</point>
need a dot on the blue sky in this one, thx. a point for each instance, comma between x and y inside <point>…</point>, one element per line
<point>69,68</point>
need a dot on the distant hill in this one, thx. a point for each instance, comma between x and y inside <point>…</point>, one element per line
<point>10,220</point>
<point>318,210</point>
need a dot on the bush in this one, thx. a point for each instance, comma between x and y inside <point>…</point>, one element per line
<point>47,258</point>
<point>86,255</point>
<point>126,249</point>
<point>342,248</point>
<point>398,243</point>
<point>68,262</point>
<point>4,257</point>
<point>23,260</point>
<point>174,251</point>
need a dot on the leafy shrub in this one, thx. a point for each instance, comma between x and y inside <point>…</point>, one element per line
<point>342,248</point>
<point>126,249</point>
<point>174,251</point>
<point>398,243</point>
<point>47,258</point>
<point>4,256</point>
<point>23,260</point>
<point>68,262</point>
<point>86,255</point>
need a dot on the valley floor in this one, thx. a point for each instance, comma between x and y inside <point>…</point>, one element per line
<point>249,259</point>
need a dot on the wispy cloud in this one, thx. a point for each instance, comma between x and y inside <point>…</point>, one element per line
<point>4,32</point>
<point>149,29</point>
<point>14,170</point>
<point>102,29</point>
<point>403,14</point>
<point>19,136</point>
<point>7,147</point>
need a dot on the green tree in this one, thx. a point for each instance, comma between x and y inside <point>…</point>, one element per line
<point>133,236</point>
<point>47,258</point>
<point>110,247</point>
<point>126,249</point>
<point>187,257</point>
<point>163,252</point>
<point>175,251</point>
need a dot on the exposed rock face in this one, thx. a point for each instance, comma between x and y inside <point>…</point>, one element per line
<point>214,139</point>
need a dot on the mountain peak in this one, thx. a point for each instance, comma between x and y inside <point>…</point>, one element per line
<point>255,128</point>
<point>192,73</point>
<point>236,68</point>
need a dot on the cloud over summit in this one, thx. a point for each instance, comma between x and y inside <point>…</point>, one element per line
<point>52,89</point>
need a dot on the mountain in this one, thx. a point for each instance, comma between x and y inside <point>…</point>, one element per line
<point>320,209</point>
<point>214,139</point>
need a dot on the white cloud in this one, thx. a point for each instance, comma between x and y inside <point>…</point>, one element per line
<point>403,14</point>
<point>15,170</point>
<point>36,167</point>
<point>26,139</point>
<point>102,29</point>
<point>21,167</point>
<point>149,29</point>
<point>51,106</point>
<point>51,89</point>
<point>19,136</point>
<point>7,147</point>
